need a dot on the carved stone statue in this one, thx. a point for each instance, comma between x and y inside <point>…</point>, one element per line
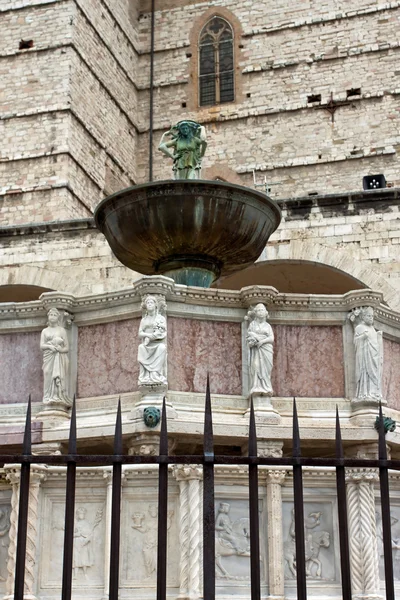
<point>55,347</point>
<point>314,541</point>
<point>152,352</point>
<point>148,527</point>
<point>369,355</point>
<point>186,147</point>
<point>83,537</point>
<point>231,539</point>
<point>260,339</point>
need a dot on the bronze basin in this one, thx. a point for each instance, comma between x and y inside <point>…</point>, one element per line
<point>191,230</point>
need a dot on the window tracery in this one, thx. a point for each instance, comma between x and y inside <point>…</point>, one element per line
<point>216,63</point>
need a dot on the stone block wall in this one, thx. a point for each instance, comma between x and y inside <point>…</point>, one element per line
<point>286,55</point>
<point>68,113</point>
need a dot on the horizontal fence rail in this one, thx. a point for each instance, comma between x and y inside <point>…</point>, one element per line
<point>208,460</point>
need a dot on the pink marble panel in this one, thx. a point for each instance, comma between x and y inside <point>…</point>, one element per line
<point>308,362</point>
<point>20,367</point>
<point>107,358</point>
<point>391,373</point>
<point>197,347</point>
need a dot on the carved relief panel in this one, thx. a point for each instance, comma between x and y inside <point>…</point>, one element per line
<point>395,522</point>
<point>321,543</point>
<point>232,540</point>
<point>5,523</point>
<point>89,538</point>
<point>139,542</point>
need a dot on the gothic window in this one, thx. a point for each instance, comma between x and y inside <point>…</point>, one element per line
<point>216,77</point>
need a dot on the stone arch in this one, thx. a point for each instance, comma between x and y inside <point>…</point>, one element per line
<point>192,91</point>
<point>337,259</point>
<point>29,275</point>
<point>221,172</point>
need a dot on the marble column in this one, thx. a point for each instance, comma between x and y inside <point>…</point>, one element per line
<point>276,574</point>
<point>362,534</point>
<point>37,476</point>
<point>189,478</point>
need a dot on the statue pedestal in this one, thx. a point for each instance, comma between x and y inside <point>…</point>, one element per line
<point>263,408</point>
<point>54,411</point>
<point>153,395</point>
<point>364,411</point>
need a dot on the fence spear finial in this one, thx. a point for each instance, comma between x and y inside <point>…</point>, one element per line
<point>118,431</point>
<point>296,432</point>
<point>338,440</point>
<point>208,427</point>
<point>72,429</point>
<point>27,443</point>
<point>163,432</point>
<point>252,431</point>
<point>382,450</point>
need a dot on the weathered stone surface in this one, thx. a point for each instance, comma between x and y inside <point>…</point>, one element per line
<point>196,348</point>
<point>107,362</point>
<point>21,367</point>
<point>308,361</point>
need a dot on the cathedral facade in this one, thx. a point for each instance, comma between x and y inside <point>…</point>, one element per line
<point>299,100</point>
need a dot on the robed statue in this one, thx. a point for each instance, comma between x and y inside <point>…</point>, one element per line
<point>260,340</point>
<point>368,347</point>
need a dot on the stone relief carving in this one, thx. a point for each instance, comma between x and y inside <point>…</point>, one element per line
<point>55,348</point>
<point>231,539</point>
<point>83,557</point>
<point>314,542</point>
<point>152,352</point>
<point>5,524</point>
<point>147,525</point>
<point>260,340</point>
<point>395,523</point>
<point>368,346</point>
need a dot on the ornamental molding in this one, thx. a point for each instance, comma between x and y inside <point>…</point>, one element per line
<point>197,303</point>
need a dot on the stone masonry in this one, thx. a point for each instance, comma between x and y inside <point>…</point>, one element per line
<point>74,125</point>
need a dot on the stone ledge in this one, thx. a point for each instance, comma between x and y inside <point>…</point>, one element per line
<point>47,227</point>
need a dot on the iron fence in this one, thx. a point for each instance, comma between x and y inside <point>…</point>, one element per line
<point>208,460</point>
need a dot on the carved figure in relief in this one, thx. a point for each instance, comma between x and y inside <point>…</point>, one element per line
<point>54,345</point>
<point>395,544</point>
<point>83,537</point>
<point>5,524</point>
<point>231,539</point>
<point>314,541</point>
<point>152,352</point>
<point>148,526</point>
<point>186,147</point>
<point>260,339</point>
<point>369,355</point>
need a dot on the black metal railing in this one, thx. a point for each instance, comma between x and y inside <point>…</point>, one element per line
<point>208,460</point>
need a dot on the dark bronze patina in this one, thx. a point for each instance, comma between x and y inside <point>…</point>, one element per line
<point>191,230</point>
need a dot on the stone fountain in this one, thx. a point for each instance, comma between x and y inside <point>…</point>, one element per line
<point>186,228</point>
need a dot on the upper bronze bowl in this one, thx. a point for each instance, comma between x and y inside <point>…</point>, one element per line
<point>191,230</point>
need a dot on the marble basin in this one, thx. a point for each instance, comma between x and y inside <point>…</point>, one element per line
<point>191,230</point>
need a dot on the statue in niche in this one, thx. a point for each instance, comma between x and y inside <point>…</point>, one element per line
<point>314,541</point>
<point>186,147</point>
<point>368,345</point>
<point>231,539</point>
<point>83,537</point>
<point>152,352</point>
<point>55,347</point>
<point>148,526</point>
<point>5,524</point>
<point>260,339</point>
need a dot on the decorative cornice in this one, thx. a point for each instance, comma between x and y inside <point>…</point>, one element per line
<point>199,303</point>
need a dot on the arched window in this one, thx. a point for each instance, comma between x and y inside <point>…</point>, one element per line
<point>216,76</point>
